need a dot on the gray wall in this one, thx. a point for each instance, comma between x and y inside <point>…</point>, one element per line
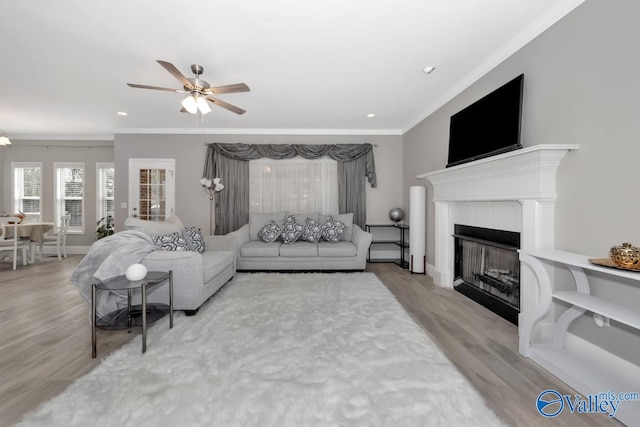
<point>581,87</point>
<point>48,152</point>
<point>192,203</point>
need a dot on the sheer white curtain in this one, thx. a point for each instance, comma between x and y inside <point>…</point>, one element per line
<point>297,185</point>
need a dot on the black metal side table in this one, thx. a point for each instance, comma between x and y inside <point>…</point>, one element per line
<point>402,243</point>
<point>131,315</point>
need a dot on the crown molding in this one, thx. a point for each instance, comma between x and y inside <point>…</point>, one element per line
<point>62,136</point>
<point>532,31</point>
<point>240,131</point>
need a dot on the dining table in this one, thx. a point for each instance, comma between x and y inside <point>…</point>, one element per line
<point>34,231</point>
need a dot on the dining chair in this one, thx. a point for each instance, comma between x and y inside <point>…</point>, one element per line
<point>59,239</point>
<point>12,243</point>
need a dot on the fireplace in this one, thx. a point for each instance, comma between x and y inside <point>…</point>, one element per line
<point>467,194</point>
<point>487,268</point>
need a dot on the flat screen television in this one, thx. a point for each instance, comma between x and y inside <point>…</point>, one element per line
<point>487,127</point>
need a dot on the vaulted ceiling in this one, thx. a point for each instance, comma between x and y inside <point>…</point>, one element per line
<point>312,66</point>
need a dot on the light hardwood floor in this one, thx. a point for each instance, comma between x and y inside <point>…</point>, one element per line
<point>45,342</point>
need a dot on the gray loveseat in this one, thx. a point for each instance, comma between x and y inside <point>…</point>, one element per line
<point>350,253</point>
<point>196,276</point>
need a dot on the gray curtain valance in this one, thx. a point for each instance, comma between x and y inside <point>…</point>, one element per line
<point>337,152</point>
<point>229,162</point>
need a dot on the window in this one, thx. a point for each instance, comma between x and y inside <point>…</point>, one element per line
<point>69,195</point>
<point>105,190</point>
<point>27,187</point>
<point>296,185</point>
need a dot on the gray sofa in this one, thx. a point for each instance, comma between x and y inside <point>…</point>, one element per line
<point>196,276</point>
<point>350,253</point>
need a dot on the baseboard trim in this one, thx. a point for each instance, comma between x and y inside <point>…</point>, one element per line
<point>433,273</point>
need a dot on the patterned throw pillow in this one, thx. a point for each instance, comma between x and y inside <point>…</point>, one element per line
<point>346,219</point>
<point>194,239</point>
<point>311,232</point>
<point>291,230</point>
<point>171,242</point>
<point>332,230</point>
<point>270,232</point>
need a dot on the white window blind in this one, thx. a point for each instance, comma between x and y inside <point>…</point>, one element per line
<point>105,190</point>
<point>69,195</point>
<point>297,185</point>
<point>27,187</point>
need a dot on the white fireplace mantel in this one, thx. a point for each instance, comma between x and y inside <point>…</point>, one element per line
<point>526,176</point>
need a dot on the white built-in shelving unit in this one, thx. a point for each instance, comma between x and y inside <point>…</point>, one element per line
<point>586,372</point>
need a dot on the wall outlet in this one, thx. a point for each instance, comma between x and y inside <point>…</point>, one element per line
<point>601,321</point>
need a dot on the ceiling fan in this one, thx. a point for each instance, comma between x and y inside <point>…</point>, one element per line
<point>199,91</point>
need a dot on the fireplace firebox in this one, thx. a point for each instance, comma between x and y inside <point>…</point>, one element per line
<point>487,268</point>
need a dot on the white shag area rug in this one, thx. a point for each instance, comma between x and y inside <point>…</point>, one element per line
<point>315,349</point>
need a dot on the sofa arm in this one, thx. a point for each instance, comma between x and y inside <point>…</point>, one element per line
<point>220,243</point>
<point>171,257</point>
<point>241,235</point>
<point>186,265</point>
<point>362,239</point>
<point>226,243</point>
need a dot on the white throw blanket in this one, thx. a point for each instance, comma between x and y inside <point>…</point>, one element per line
<point>279,350</point>
<point>110,257</point>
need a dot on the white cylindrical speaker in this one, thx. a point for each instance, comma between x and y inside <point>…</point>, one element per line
<point>417,224</point>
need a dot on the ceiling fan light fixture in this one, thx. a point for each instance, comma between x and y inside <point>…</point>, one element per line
<point>199,92</point>
<point>203,105</point>
<point>190,104</point>
<point>4,139</point>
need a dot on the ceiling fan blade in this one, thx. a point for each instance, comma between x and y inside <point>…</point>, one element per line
<point>155,88</point>
<point>227,106</point>
<point>176,73</point>
<point>238,87</point>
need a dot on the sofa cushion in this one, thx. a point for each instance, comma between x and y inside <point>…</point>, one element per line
<point>347,219</point>
<point>258,220</point>
<point>299,249</point>
<point>270,232</point>
<point>311,231</point>
<point>194,239</point>
<point>291,230</point>
<point>171,242</point>
<point>340,249</point>
<point>155,228</point>
<point>260,249</point>
<point>332,230</point>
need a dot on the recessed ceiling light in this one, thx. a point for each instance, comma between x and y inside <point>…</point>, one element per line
<point>122,113</point>
<point>429,69</point>
<point>371,115</point>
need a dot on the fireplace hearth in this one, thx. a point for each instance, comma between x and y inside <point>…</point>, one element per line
<point>487,268</point>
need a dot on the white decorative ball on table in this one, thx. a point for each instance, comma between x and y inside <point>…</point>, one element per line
<point>136,272</point>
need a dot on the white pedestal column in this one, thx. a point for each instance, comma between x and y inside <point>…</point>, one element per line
<point>418,223</point>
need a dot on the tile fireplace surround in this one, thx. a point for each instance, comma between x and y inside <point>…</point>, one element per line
<point>514,191</point>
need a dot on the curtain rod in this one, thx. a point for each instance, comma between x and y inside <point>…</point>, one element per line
<point>207,143</point>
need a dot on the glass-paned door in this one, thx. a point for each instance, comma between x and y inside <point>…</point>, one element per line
<point>151,192</point>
